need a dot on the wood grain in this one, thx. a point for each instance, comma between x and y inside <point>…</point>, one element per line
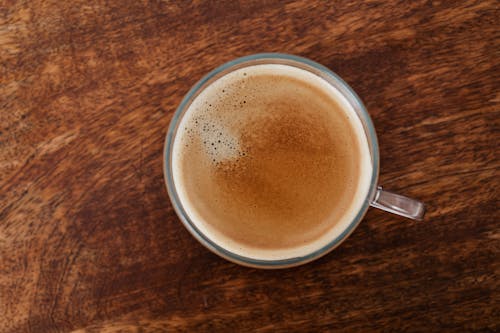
<point>89,241</point>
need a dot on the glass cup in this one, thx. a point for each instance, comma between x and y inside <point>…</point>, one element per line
<point>376,196</point>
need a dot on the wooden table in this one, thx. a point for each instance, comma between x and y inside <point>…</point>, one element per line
<point>88,238</point>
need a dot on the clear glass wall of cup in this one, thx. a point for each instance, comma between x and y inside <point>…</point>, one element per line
<point>376,197</point>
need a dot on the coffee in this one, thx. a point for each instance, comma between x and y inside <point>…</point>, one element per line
<point>271,162</point>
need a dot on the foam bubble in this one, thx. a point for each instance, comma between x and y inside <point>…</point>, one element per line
<point>217,140</point>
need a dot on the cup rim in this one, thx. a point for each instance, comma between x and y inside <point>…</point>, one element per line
<point>212,245</point>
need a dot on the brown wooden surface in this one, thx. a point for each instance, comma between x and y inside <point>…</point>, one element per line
<point>89,241</point>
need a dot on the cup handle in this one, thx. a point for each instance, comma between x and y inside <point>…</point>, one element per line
<point>398,204</point>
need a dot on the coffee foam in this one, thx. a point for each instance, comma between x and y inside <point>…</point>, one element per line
<point>217,121</point>
<point>219,143</point>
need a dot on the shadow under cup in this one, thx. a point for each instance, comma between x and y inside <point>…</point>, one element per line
<point>289,60</point>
